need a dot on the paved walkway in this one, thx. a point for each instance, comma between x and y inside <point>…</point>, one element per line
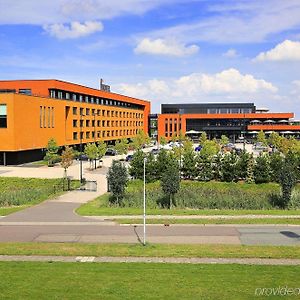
<point>170,260</point>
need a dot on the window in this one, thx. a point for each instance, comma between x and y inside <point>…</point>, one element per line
<point>41,116</point>
<point>87,122</point>
<point>74,123</point>
<point>87,112</point>
<point>25,91</point>
<point>75,136</point>
<point>3,116</point>
<point>52,120</point>
<point>81,111</point>
<point>74,97</point>
<point>74,110</point>
<point>98,123</point>
<point>49,116</point>
<point>44,117</point>
<point>93,134</point>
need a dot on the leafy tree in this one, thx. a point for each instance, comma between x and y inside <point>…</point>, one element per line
<point>242,164</point>
<point>137,165</point>
<point>204,168</point>
<point>216,164</point>
<point>261,137</point>
<point>151,168</point>
<point>91,151</point>
<point>163,141</point>
<point>121,146</point>
<point>274,139</point>
<point>67,158</point>
<point>203,138</point>
<point>101,149</point>
<point>170,182</point>
<point>262,169</point>
<point>210,148</point>
<point>189,161</point>
<point>51,152</point>
<point>229,168</point>
<point>276,161</point>
<point>287,179</point>
<point>224,140</point>
<point>118,178</point>
<point>163,160</point>
<point>250,170</point>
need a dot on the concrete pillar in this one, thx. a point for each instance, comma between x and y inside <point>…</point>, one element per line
<point>4,158</point>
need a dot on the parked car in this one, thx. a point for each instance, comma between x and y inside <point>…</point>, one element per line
<point>82,157</point>
<point>154,151</point>
<point>111,152</point>
<point>129,157</point>
<point>198,148</point>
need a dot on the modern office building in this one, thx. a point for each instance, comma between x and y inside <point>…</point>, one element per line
<point>231,119</point>
<point>33,111</point>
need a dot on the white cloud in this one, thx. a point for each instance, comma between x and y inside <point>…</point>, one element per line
<point>164,47</point>
<point>193,87</point>
<point>74,30</point>
<point>285,51</point>
<point>230,53</point>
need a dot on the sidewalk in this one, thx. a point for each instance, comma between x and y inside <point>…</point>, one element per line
<point>169,260</point>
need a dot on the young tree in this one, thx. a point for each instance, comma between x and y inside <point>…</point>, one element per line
<point>203,138</point>
<point>276,161</point>
<point>170,182</point>
<point>229,168</point>
<point>274,139</point>
<point>242,164</point>
<point>67,157</point>
<point>224,140</point>
<point>262,169</point>
<point>121,146</point>
<point>51,152</point>
<point>101,149</point>
<point>91,152</point>
<point>189,161</point>
<point>287,179</point>
<point>250,170</point>
<point>117,178</point>
<point>137,165</point>
<point>261,137</point>
<point>163,141</point>
<point>151,168</point>
<point>163,159</point>
<point>204,168</point>
<point>210,148</point>
<point>140,140</point>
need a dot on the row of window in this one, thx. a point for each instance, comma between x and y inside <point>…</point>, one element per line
<point>106,123</point>
<point>106,113</point>
<point>172,125</point>
<point>65,95</point>
<point>46,117</point>
<point>104,134</point>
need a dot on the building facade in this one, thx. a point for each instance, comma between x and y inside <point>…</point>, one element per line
<point>231,119</point>
<point>33,111</point>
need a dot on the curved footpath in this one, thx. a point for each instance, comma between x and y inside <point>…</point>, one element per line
<point>55,220</point>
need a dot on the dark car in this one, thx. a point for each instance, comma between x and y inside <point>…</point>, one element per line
<point>111,152</point>
<point>198,148</point>
<point>129,157</point>
<point>154,151</point>
<point>82,157</point>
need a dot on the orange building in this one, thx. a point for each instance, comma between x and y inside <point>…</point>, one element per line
<point>231,119</point>
<point>33,111</point>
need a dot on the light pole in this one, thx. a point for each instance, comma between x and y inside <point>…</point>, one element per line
<point>81,133</point>
<point>144,216</point>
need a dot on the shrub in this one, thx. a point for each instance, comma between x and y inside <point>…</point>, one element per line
<point>229,169</point>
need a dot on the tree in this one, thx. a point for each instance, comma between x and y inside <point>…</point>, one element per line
<point>189,161</point>
<point>204,168</point>
<point>51,152</point>
<point>163,141</point>
<point>101,149</point>
<point>163,159</point>
<point>67,157</point>
<point>121,146</point>
<point>261,138</point>
<point>210,148</point>
<point>224,140</point>
<point>287,179</point>
<point>250,170</point>
<point>117,178</point>
<point>274,139</point>
<point>242,164</point>
<point>151,168</point>
<point>170,182</point>
<point>276,161</point>
<point>262,169</point>
<point>203,138</point>
<point>137,165</point>
<point>229,168</point>
<point>91,151</point>
<point>140,140</point>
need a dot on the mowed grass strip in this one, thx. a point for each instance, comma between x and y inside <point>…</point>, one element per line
<point>150,250</point>
<point>34,280</point>
<point>271,221</point>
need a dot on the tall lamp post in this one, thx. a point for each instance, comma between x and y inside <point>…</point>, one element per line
<point>81,134</point>
<point>144,215</point>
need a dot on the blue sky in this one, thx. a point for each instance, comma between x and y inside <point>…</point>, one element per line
<point>165,51</point>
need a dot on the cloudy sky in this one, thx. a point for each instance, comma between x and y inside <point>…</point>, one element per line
<point>165,51</point>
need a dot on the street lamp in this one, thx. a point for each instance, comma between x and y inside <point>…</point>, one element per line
<point>81,134</point>
<point>144,215</point>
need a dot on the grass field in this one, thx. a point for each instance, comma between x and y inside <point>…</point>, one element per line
<point>154,250</point>
<point>33,280</point>
<point>101,207</point>
<point>291,221</point>
<point>18,193</point>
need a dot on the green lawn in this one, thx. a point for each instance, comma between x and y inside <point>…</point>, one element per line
<point>33,280</point>
<point>291,221</point>
<point>101,207</point>
<point>154,250</point>
<point>18,193</point>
